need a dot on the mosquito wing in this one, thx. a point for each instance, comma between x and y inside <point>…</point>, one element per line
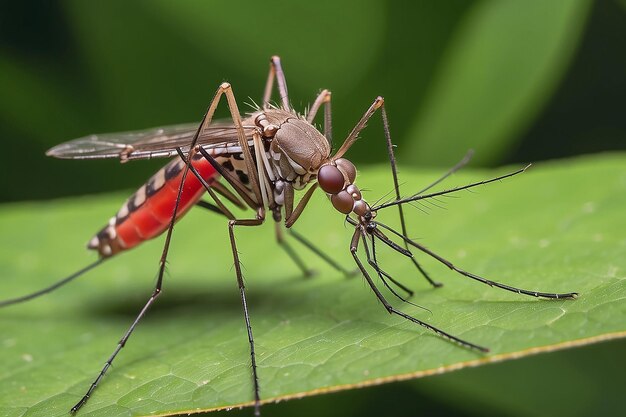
<point>160,142</point>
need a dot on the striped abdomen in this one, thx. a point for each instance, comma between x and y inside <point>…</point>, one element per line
<point>148,212</point>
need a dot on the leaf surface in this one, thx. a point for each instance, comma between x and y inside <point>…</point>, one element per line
<point>558,227</point>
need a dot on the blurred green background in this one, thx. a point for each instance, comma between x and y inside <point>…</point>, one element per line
<point>516,81</point>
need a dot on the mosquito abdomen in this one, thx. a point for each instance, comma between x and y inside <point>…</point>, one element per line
<point>148,212</point>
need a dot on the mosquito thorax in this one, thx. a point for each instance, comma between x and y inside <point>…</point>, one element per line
<point>337,178</point>
<point>296,148</point>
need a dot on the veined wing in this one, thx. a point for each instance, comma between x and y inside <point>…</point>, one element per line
<point>160,142</point>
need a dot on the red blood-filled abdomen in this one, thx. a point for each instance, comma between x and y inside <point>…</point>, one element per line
<point>148,212</point>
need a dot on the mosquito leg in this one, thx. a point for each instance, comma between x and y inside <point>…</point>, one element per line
<point>280,238</point>
<point>354,245</point>
<point>382,274</point>
<point>396,184</point>
<point>227,194</point>
<point>295,214</point>
<point>256,184</point>
<point>52,287</point>
<point>120,345</point>
<point>244,303</point>
<point>328,121</point>
<point>251,169</point>
<point>292,215</point>
<point>352,137</point>
<point>466,158</point>
<point>322,98</point>
<point>276,71</point>
<point>418,196</point>
<point>330,261</point>
<point>239,188</point>
<point>224,88</point>
<point>153,297</point>
<point>450,265</point>
<point>220,208</point>
<point>354,134</point>
<point>208,206</point>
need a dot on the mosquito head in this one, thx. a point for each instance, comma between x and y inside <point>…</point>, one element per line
<point>337,178</point>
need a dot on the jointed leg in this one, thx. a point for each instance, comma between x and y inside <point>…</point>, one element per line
<point>352,137</point>
<point>450,265</point>
<point>466,158</point>
<point>239,188</point>
<point>231,224</point>
<point>208,206</point>
<point>396,184</point>
<point>371,259</point>
<point>321,254</point>
<point>293,215</point>
<point>120,345</point>
<point>276,71</point>
<point>52,287</point>
<point>280,238</point>
<point>323,98</point>
<point>224,88</point>
<point>244,303</point>
<point>354,134</point>
<point>354,245</point>
<point>220,208</point>
<point>227,194</point>
<point>251,169</point>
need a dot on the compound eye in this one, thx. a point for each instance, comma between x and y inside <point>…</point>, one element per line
<point>347,168</point>
<point>330,179</point>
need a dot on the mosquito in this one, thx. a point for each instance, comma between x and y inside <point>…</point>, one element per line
<point>258,163</point>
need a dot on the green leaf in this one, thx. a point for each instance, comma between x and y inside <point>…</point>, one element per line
<point>499,71</point>
<point>558,227</point>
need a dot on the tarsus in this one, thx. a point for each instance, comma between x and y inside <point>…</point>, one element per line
<point>52,287</point>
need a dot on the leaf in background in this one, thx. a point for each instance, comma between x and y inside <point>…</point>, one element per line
<point>500,69</point>
<point>398,74</point>
<point>558,227</point>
